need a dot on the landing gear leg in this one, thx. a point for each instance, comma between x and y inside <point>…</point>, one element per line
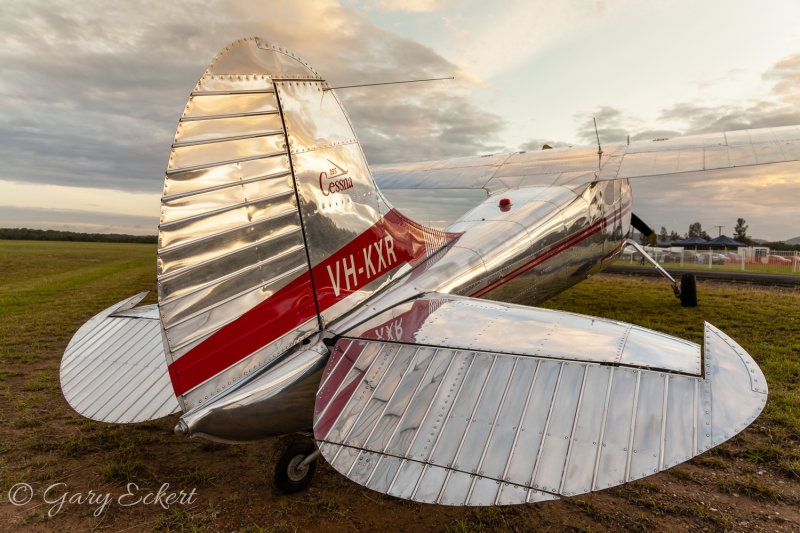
<point>689,299</point>
<point>688,292</point>
<point>296,466</point>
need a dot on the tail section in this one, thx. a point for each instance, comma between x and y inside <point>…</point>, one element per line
<point>271,224</point>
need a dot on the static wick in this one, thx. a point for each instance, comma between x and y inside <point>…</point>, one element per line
<point>387,83</point>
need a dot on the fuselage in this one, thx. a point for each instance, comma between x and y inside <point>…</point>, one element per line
<point>522,245</point>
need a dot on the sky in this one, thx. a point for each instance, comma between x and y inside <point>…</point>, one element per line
<point>91,91</point>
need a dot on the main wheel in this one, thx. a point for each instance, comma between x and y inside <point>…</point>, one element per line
<point>688,290</point>
<point>290,475</point>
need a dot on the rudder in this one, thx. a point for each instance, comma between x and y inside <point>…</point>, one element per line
<point>271,224</point>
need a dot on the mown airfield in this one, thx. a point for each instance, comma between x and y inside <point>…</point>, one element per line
<point>48,289</point>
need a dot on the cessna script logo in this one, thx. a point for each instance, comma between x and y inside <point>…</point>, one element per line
<point>334,180</point>
<point>378,258</point>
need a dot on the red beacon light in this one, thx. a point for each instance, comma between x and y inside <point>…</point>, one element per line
<point>505,204</point>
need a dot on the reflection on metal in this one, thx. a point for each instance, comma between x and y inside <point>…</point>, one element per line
<point>437,320</point>
<point>276,401</point>
<point>114,370</point>
<point>230,234</point>
<point>697,153</point>
<point>271,224</point>
<point>274,238</point>
<point>473,427</point>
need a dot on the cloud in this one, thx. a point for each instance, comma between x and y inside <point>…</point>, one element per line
<point>498,38</point>
<point>765,196</point>
<point>91,93</point>
<point>778,106</point>
<point>413,6</point>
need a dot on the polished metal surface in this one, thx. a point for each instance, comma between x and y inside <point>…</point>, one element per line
<point>230,234</point>
<point>271,224</point>
<point>546,240</point>
<point>114,370</point>
<point>469,427</point>
<point>579,166</point>
<point>438,320</point>
<point>275,401</point>
<point>274,234</point>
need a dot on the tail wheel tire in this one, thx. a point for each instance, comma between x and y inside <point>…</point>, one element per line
<point>290,474</point>
<point>688,290</point>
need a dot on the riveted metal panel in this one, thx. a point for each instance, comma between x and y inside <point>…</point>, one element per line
<point>230,235</point>
<point>204,131</point>
<point>216,105</point>
<point>680,428</point>
<point>406,480</point>
<point>586,434</point>
<point>456,488</point>
<point>534,331</point>
<point>384,473</point>
<point>615,444</point>
<point>114,369</point>
<point>504,430</point>
<point>187,182</point>
<point>649,349</point>
<point>422,400</point>
<point>467,428</point>
<point>737,398</point>
<point>430,484</point>
<point>555,446</point>
<point>532,428</point>
<point>460,417</point>
<point>647,438</point>
<point>484,417</point>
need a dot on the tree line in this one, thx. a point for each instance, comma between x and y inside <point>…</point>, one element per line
<point>29,234</point>
<point>739,234</point>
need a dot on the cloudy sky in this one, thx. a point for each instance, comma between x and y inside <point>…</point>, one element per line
<point>91,91</point>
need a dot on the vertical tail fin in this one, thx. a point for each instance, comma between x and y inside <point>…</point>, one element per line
<point>271,224</point>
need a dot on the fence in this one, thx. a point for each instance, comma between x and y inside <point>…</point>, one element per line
<point>743,259</point>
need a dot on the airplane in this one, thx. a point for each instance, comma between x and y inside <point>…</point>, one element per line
<point>294,298</point>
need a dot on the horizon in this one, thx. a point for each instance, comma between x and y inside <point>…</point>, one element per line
<point>87,117</point>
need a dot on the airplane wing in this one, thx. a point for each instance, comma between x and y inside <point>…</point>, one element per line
<point>575,167</point>
<point>460,401</point>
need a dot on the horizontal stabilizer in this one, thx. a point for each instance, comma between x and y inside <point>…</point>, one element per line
<point>114,368</point>
<point>480,426</point>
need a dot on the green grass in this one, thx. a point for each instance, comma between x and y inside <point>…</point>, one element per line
<point>766,323</point>
<point>49,289</point>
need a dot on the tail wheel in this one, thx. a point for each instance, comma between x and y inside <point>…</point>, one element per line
<point>291,474</point>
<point>688,290</point>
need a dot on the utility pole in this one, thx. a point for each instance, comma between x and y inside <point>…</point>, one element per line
<point>719,228</point>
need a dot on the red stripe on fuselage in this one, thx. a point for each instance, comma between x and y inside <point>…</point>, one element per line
<point>554,250</point>
<point>390,242</point>
<point>274,317</point>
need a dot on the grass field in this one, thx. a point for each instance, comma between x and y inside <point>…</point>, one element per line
<point>47,290</point>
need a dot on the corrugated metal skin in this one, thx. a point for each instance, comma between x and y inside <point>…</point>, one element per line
<point>461,427</point>
<point>114,368</point>
<point>230,235</point>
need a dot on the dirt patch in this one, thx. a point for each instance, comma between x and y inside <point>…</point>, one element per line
<point>751,483</point>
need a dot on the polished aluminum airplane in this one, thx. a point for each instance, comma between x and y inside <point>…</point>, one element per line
<point>292,297</point>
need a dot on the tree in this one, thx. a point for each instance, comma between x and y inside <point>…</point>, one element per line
<point>740,231</point>
<point>663,236</point>
<point>696,229</point>
<point>674,236</point>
